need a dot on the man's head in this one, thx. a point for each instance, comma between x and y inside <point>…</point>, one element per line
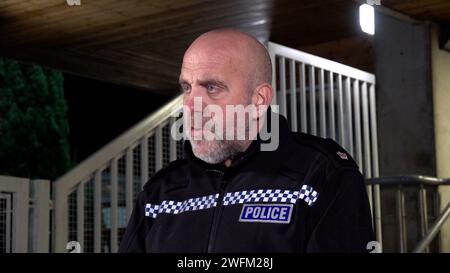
<point>224,67</point>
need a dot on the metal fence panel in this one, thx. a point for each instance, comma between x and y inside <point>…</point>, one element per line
<point>5,223</point>
<point>325,85</point>
<point>14,214</point>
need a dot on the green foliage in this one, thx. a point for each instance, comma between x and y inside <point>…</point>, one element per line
<point>33,121</point>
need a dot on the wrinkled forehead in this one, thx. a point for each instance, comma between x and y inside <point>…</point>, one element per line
<point>203,58</point>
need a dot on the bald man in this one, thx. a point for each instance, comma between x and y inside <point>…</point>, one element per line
<point>232,192</point>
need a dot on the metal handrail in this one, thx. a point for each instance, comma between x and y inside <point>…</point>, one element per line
<point>427,234</point>
<point>433,230</point>
<point>408,180</point>
<point>118,145</point>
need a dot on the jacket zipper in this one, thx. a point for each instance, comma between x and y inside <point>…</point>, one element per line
<point>216,216</point>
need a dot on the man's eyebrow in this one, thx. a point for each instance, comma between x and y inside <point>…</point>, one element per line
<point>182,81</point>
<point>212,81</point>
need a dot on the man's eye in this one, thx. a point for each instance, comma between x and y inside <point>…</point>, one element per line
<point>211,88</point>
<point>185,87</point>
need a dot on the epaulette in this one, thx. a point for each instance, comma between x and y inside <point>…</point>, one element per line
<point>164,170</point>
<point>328,147</point>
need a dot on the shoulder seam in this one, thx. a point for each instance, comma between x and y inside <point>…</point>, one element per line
<point>332,156</point>
<point>164,169</point>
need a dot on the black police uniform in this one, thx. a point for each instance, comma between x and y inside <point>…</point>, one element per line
<point>305,196</point>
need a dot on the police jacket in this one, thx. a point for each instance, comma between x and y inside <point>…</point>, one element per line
<point>305,196</point>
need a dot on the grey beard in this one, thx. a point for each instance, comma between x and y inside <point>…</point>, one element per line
<point>218,150</point>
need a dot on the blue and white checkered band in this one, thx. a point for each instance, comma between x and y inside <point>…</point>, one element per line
<point>174,207</point>
<point>306,194</point>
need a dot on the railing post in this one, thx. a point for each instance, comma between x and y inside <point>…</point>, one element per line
<point>61,221</point>
<point>172,141</point>
<point>8,228</point>
<point>303,120</point>
<point>158,149</point>
<point>331,101</point>
<point>375,170</point>
<point>322,114</point>
<point>41,216</point>
<point>293,100</point>
<point>20,217</point>
<point>144,160</point>
<point>312,100</point>
<point>97,211</point>
<point>129,180</point>
<point>80,215</point>
<point>114,205</point>
<point>282,93</point>
<point>348,116</point>
<point>423,212</point>
<point>400,205</point>
<point>342,134</point>
<point>273,58</point>
<point>357,124</point>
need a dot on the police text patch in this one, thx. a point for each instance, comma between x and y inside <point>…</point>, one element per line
<point>266,213</point>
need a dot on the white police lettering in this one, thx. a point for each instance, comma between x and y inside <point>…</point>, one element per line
<point>266,213</point>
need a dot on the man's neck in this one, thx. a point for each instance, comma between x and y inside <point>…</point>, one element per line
<point>227,163</point>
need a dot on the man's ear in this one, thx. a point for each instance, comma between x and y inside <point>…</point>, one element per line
<point>262,98</point>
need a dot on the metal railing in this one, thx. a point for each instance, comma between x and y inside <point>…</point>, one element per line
<point>420,181</point>
<point>328,99</point>
<point>93,201</point>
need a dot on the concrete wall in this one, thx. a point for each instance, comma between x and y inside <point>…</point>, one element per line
<point>404,97</point>
<point>440,63</point>
<point>405,117</point>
